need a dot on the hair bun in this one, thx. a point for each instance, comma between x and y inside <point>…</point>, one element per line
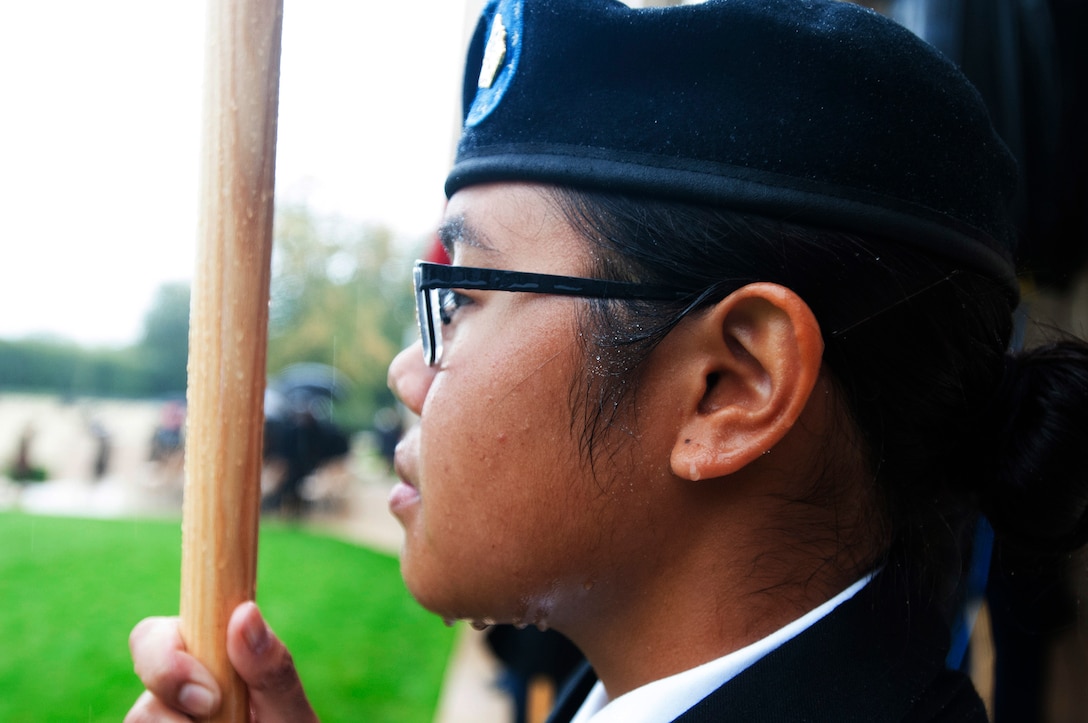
<point>1038,495</point>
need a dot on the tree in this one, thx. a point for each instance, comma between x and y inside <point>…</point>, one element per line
<point>341,295</point>
<point>164,346</point>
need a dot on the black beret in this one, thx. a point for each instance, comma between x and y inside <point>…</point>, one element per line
<point>822,113</point>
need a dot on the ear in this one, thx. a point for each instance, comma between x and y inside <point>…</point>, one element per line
<point>747,375</point>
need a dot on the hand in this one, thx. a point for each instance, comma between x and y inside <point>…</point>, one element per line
<point>179,687</point>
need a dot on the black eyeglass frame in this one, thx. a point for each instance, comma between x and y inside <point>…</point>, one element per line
<point>429,277</point>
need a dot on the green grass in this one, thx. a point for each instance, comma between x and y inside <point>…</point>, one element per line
<point>71,590</point>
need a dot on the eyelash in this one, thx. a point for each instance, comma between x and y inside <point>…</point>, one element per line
<point>449,301</point>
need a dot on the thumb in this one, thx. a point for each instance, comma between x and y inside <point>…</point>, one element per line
<point>262,661</point>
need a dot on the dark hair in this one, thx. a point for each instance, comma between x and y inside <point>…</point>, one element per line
<point>949,422</point>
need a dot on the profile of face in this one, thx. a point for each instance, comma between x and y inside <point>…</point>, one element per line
<point>505,521</point>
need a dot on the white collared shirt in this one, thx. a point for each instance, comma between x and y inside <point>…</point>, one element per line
<point>663,700</point>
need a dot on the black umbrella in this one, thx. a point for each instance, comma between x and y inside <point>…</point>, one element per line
<point>311,378</point>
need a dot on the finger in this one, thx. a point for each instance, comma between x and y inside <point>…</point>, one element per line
<point>174,677</point>
<point>262,661</point>
<point>149,709</point>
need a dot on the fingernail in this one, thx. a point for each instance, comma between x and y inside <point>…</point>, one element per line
<point>196,699</point>
<point>256,634</point>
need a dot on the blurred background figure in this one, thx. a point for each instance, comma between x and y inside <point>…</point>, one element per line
<point>22,467</point>
<point>103,446</point>
<point>169,437</point>
<point>168,447</point>
<point>535,664</point>
<point>300,436</point>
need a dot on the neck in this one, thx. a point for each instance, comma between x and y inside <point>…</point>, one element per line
<point>709,590</point>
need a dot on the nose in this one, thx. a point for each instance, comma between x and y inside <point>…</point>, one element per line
<point>410,378</point>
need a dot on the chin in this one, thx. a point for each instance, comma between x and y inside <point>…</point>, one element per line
<point>442,593</point>
<point>480,602</point>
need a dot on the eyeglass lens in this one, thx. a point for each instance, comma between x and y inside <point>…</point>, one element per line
<point>425,317</point>
<point>429,313</point>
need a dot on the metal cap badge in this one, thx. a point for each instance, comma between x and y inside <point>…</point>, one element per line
<point>494,53</point>
<point>501,24</point>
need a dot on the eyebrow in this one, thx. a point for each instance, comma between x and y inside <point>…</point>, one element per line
<point>456,230</point>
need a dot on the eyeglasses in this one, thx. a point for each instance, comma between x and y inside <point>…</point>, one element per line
<point>434,282</point>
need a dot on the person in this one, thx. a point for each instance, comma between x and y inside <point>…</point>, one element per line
<point>168,439</point>
<point>301,441</point>
<point>534,664</point>
<point>103,446</point>
<point>719,376</point>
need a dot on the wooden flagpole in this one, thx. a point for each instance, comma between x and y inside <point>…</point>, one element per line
<point>228,332</point>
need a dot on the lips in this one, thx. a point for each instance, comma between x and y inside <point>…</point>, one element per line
<point>405,494</point>
<point>401,497</point>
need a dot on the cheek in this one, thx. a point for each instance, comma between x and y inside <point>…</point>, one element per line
<point>506,500</point>
<point>498,436</point>
<point>504,395</point>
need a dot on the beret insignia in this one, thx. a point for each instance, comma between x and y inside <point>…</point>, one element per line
<point>494,55</point>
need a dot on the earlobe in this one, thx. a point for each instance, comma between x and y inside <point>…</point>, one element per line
<point>754,362</point>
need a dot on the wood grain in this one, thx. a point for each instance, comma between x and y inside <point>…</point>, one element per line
<point>228,331</point>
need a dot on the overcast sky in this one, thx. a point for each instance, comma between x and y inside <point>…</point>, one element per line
<point>99,142</point>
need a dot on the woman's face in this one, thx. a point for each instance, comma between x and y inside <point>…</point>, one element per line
<point>503,519</point>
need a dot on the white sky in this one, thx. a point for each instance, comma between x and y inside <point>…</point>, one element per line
<point>99,141</point>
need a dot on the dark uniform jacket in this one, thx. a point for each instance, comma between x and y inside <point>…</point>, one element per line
<point>878,657</point>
